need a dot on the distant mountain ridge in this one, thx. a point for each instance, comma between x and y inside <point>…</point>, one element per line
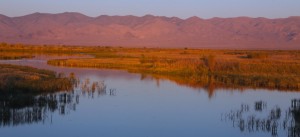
<point>71,28</point>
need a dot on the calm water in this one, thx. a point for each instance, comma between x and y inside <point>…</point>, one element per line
<point>111,103</point>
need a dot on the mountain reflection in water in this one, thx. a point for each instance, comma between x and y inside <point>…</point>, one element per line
<point>251,120</point>
<point>27,108</point>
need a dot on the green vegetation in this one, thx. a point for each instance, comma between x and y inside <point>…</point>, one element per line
<point>194,67</point>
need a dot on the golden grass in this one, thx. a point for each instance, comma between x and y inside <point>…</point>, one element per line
<point>237,68</point>
<point>21,79</point>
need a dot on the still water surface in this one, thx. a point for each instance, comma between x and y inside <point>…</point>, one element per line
<point>110,103</point>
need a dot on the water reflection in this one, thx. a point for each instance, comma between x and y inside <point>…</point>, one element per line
<point>262,119</point>
<point>91,88</point>
<point>150,105</point>
<point>95,88</point>
<point>27,108</point>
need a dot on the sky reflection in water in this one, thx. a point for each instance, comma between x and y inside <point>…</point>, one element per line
<point>133,107</point>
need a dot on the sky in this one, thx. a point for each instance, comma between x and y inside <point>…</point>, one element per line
<point>170,8</point>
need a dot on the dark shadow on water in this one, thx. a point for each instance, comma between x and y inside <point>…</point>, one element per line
<point>261,119</point>
<point>22,108</point>
<point>27,109</point>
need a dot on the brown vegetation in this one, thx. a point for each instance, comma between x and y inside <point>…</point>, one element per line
<point>21,79</point>
<point>229,68</point>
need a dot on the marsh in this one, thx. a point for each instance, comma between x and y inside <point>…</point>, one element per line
<point>105,102</point>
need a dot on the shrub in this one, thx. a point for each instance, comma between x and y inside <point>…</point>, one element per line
<point>257,55</point>
<point>210,62</point>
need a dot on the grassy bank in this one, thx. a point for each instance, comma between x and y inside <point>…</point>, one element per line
<point>262,69</point>
<point>14,56</point>
<point>226,68</point>
<point>21,79</point>
<point>26,94</point>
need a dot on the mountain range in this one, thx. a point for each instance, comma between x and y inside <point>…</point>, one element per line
<point>71,28</point>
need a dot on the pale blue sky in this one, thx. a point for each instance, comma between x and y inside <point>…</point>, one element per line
<point>179,8</point>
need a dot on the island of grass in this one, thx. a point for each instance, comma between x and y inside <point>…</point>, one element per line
<point>23,79</point>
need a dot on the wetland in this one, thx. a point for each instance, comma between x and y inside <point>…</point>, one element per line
<point>115,91</point>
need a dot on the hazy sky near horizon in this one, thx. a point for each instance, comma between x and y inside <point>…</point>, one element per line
<point>179,8</point>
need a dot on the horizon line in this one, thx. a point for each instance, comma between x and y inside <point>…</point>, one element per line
<point>148,15</point>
